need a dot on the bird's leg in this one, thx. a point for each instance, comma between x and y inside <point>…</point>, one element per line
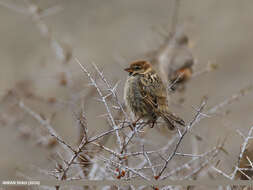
<point>153,123</point>
<point>134,123</point>
<point>153,120</point>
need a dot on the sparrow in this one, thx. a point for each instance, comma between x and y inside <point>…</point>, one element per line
<point>146,96</point>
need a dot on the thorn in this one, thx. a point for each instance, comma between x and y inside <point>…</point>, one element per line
<point>99,100</point>
<point>115,86</point>
<point>106,96</point>
<point>179,132</point>
<point>90,84</point>
<point>116,107</point>
<point>103,115</point>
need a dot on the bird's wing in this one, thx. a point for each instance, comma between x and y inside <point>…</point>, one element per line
<point>154,95</point>
<point>154,92</point>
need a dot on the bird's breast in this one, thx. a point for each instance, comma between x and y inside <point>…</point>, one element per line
<point>132,89</point>
<point>133,96</point>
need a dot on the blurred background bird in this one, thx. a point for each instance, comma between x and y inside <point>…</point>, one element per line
<point>175,60</point>
<point>146,96</point>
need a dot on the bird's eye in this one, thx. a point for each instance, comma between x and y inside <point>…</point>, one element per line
<point>137,67</point>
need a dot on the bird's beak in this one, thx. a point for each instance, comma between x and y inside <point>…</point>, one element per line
<point>130,70</point>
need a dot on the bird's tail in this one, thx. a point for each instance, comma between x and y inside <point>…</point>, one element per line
<point>171,119</point>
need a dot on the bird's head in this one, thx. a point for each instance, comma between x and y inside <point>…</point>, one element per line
<point>139,67</point>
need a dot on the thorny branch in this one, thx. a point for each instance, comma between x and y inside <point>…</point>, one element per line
<point>188,127</point>
<point>129,158</point>
<point>103,99</point>
<point>129,155</point>
<point>46,124</point>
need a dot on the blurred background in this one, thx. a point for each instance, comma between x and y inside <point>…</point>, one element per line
<point>37,65</point>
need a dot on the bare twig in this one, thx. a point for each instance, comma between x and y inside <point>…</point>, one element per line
<point>46,124</point>
<point>127,168</point>
<point>103,99</point>
<point>187,164</point>
<point>231,99</point>
<point>149,162</point>
<point>191,124</point>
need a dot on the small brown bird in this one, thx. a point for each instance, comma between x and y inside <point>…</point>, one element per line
<point>175,60</point>
<point>146,96</point>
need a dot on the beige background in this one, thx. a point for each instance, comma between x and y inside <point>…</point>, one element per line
<point>112,33</point>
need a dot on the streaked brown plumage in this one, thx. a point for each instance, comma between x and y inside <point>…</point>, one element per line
<point>145,95</point>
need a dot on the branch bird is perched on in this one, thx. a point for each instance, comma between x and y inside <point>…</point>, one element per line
<point>145,95</point>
